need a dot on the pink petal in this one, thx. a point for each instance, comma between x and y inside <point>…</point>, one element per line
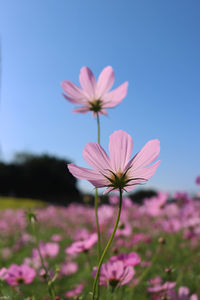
<point>128,275</point>
<point>116,96</point>
<point>84,173</point>
<point>145,173</point>
<point>105,82</point>
<point>82,110</point>
<point>183,292</point>
<point>108,190</point>
<point>194,297</point>
<point>147,155</point>
<point>120,148</point>
<point>74,91</point>
<point>96,157</point>
<point>72,100</point>
<point>88,82</point>
<point>115,269</point>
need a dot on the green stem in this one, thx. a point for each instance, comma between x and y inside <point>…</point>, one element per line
<point>98,129</point>
<point>50,286</point>
<point>107,246</point>
<point>97,224</point>
<point>96,200</point>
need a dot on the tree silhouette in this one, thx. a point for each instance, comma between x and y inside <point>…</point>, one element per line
<point>42,177</point>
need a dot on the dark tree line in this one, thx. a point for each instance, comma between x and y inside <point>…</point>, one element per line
<point>43,177</point>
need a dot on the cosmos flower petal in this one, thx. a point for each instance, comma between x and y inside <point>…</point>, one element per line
<point>72,100</point>
<point>128,275</point>
<point>146,155</point>
<point>120,149</point>
<point>88,82</point>
<point>108,190</point>
<point>145,173</point>
<point>96,157</point>
<point>73,91</point>
<point>82,110</point>
<point>114,97</point>
<point>105,82</point>
<point>183,292</point>
<point>84,173</point>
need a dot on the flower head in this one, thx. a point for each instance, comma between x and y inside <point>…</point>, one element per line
<point>129,259</point>
<point>17,275</point>
<point>83,245</point>
<point>115,274</point>
<point>47,250</point>
<point>76,291</point>
<point>94,95</point>
<point>118,171</point>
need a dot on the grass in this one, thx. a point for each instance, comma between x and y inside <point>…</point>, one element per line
<point>18,203</point>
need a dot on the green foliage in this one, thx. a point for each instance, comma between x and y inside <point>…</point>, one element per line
<point>17,203</point>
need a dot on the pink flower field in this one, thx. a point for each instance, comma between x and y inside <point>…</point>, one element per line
<point>155,253</point>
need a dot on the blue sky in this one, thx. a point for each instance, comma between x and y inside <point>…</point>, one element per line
<point>155,45</point>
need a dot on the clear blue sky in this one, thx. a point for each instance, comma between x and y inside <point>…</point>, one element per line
<point>155,45</point>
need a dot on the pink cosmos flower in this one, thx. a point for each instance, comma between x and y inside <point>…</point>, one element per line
<point>72,293</point>
<point>157,286</point>
<point>3,272</point>
<point>154,206</point>
<point>94,95</point>
<point>114,274</point>
<point>182,294</point>
<point>47,250</point>
<point>129,259</point>
<point>17,275</point>
<point>83,245</point>
<point>68,268</point>
<point>118,171</point>
<point>56,238</point>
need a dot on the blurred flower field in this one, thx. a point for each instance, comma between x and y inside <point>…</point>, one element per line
<point>155,254</point>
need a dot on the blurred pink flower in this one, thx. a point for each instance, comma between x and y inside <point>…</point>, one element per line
<point>183,294</point>
<point>56,237</point>
<point>118,171</point>
<point>94,95</point>
<point>170,293</point>
<point>77,291</point>
<point>68,268</point>
<point>17,275</point>
<point>83,245</point>
<point>140,238</point>
<point>154,206</point>
<point>47,250</point>
<point>198,180</point>
<point>114,274</point>
<point>129,259</point>
<point>157,286</point>
<point>3,272</point>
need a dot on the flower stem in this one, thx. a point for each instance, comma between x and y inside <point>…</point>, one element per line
<point>98,129</point>
<point>97,223</point>
<point>107,246</point>
<point>49,283</point>
<point>96,200</point>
